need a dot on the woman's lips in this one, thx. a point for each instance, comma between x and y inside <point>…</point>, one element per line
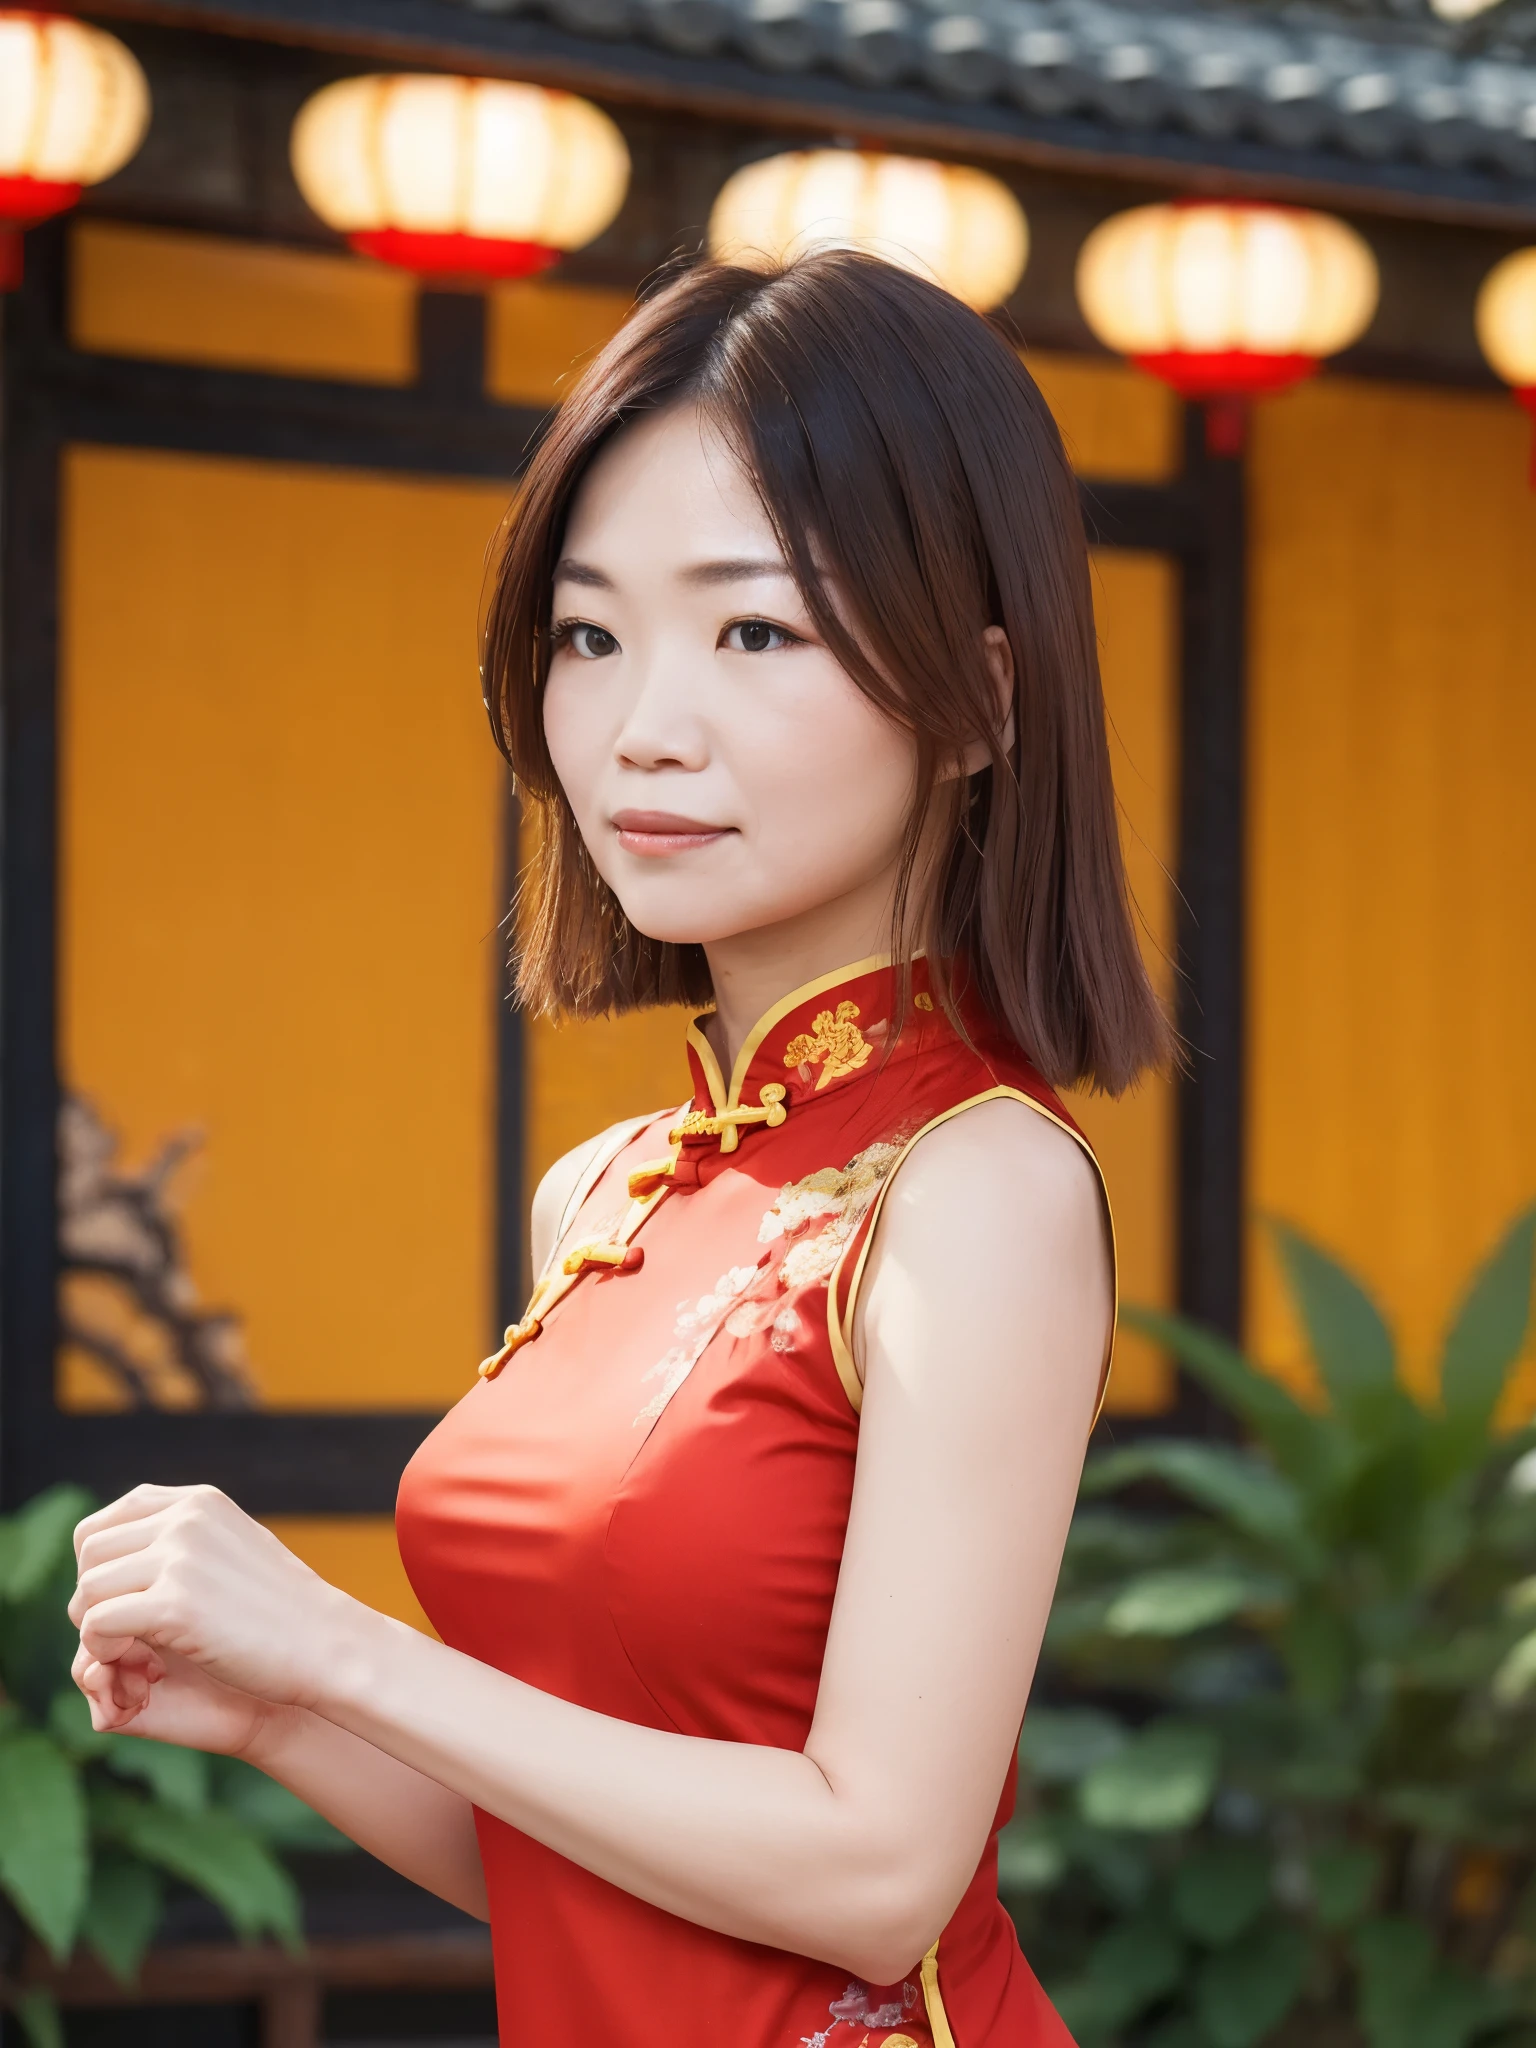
<point>662,832</point>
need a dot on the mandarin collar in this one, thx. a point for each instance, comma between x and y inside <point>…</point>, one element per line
<point>818,1038</point>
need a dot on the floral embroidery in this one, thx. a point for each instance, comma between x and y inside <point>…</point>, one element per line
<point>859,2006</point>
<point>834,1043</point>
<point>747,1300</point>
<point>697,1322</point>
<point>839,1198</point>
<point>922,1002</point>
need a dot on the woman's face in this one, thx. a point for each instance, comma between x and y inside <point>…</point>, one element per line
<point>726,774</point>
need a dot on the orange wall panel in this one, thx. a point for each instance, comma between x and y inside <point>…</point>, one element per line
<point>1135,604</point>
<point>1115,420</point>
<point>1393,842</point>
<point>357,1553</point>
<point>539,335</point>
<point>137,291</point>
<point>280,823</point>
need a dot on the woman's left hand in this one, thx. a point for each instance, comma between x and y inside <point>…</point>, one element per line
<point>182,1569</point>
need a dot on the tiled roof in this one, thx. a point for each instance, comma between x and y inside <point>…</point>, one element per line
<point>1367,86</point>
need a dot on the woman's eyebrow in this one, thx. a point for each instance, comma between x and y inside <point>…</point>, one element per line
<point>568,570</point>
<point>738,569</point>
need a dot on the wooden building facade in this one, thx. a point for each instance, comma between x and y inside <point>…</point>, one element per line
<point>258,847</point>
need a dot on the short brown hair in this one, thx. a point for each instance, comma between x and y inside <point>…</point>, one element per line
<point>907,462</point>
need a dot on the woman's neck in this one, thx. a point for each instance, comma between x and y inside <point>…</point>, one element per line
<point>754,970</point>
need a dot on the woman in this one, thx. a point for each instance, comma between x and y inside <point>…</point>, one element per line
<point>742,1547</point>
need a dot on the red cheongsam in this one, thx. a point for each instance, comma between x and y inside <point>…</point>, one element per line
<point>641,1507</point>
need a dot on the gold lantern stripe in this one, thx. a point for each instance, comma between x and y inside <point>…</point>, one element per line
<point>471,156</point>
<point>74,103</point>
<point>1211,279</point>
<point>946,221</point>
<point>1506,319</point>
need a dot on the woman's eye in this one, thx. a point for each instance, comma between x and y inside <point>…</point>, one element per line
<point>590,642</point>
<point>756,636</point>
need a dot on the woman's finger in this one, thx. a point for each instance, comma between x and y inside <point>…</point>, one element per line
<point>108,1631</point>
<point>130,1507</point>
<point>108,1715</point>
<point>102,1545</point>
<point>134,1573</point>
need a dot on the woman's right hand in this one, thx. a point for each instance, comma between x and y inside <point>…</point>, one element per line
<point>167,1698</point>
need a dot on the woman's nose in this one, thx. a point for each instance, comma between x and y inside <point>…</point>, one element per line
<point>662,727</point>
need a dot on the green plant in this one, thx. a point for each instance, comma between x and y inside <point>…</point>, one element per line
<point>1282,1782</point>
<point>93,1827</point>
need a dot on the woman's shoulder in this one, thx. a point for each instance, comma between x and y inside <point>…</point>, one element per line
<point>999,1205</point>
<point>1000,1159</point>
<point>566,1185</point>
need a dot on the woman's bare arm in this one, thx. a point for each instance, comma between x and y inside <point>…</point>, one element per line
<point>983,1330</point>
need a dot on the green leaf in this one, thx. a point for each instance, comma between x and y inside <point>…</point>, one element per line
<point>1432,1810</point>
<point>215,1854</point>
<point>1176,1603</point>
<point>1342,1880</point>
<point>1075,1618</point>
<point>1030,1857</point>
<point>1308,1447</point>
<point>1517,1674</point>
<point>122,1912</point>
<point>1162,1780</point>
<point>43,1538</point>
<point>1350,1342</point>
<point>1178,2030</point>
<point>1486,1338</point>
<point>1060,1744</point>
<point>1118,1864</point>
<point>39,2017</point>
<point>1089,2010</point>
<point>1409,1998</point>
<point>177,1777</point>
<point>43,1852</point>
<point>1319,1651</point>
<point>1243,1490</point>
<point>1137,1962</point>
<point>1243,1992</point>
<point>1220,1890</point>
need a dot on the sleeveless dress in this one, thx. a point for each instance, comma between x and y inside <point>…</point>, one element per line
<point>641,1507</point>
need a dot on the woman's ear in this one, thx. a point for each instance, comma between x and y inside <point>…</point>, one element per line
<point>999,654</point>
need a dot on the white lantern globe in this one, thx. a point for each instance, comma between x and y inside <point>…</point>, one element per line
<point>1226,299</point>
<point>1506,329</point>
<point>470,175</point>
<point>948,222</point>
<point>74,106</point>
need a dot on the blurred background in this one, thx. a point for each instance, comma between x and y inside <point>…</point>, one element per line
<point>291,286</point>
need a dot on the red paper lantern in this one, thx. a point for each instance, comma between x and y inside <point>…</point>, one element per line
<point>1226,302</point>
<point>74,110</point>
<point>473,176</point>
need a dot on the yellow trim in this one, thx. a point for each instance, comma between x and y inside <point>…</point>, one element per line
<point>724,1098</point>
<point>606,1147</point>
<point>842,1356</point>
<point>933,2001</point>
<point>552,1287</point>
<point>714,1080</point>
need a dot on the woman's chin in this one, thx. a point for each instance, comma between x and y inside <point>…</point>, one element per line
<point>678,922</point>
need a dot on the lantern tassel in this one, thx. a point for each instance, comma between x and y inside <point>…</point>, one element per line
<point>1525,394</point>
<point>1226,426</point>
